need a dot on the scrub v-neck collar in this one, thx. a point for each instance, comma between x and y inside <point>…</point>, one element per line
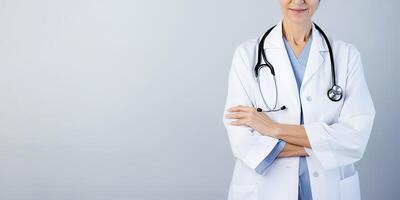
<point>303,57</point>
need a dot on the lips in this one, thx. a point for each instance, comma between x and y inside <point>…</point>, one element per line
<point>298,10</point>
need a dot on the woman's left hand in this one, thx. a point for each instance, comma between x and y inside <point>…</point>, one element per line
<point>249,116</point>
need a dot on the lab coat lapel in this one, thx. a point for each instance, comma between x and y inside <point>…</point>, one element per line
<point>315,58</point>
<point>286,81</point>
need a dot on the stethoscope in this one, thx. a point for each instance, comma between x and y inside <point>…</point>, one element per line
<point>335,93</point>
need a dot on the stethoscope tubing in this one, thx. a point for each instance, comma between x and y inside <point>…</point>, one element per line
<point>335,93</point>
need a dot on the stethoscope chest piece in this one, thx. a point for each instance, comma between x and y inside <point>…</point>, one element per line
<point>335,93</point>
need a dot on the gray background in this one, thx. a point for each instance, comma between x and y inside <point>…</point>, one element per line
<point>122,99</point>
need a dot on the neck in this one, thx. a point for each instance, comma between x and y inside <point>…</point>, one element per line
<point>296,33</point>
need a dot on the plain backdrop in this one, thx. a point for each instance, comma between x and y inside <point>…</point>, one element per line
<point>123,99</point>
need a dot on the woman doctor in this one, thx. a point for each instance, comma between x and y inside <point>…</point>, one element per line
<point>297,117</point>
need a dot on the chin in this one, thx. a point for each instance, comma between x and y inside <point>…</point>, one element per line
<point>299,19</point>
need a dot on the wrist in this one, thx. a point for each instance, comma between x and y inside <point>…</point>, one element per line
<point>277,130</point>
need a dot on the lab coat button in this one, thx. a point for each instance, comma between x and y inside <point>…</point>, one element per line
<point>315,174</point>
<point>309,98</point>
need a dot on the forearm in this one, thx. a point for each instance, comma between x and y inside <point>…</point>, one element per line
<point>294,134</point>
<point>292,150</point>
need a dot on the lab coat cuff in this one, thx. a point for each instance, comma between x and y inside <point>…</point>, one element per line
<point>320,146</point>
<point>258,153</point>
<point>272,156</point>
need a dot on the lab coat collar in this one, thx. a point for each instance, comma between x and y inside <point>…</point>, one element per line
<point>275,39</point>
<point>318,51</point>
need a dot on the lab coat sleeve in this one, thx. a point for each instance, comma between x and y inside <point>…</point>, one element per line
<point>344,141</point>
<point>247,145</point>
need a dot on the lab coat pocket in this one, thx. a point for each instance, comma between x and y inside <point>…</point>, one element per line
<point>350,188</point>
<point>244,192</point>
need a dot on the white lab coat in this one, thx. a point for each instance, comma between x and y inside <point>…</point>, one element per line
<point>338,131</point>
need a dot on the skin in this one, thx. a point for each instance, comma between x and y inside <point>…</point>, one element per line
<point>297,24</point>
<point>297,27</point>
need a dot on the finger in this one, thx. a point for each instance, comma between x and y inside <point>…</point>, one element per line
<point>240,108</point>
<point>238,115</point>
<point>236,108</point>
<point>236,123</point>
